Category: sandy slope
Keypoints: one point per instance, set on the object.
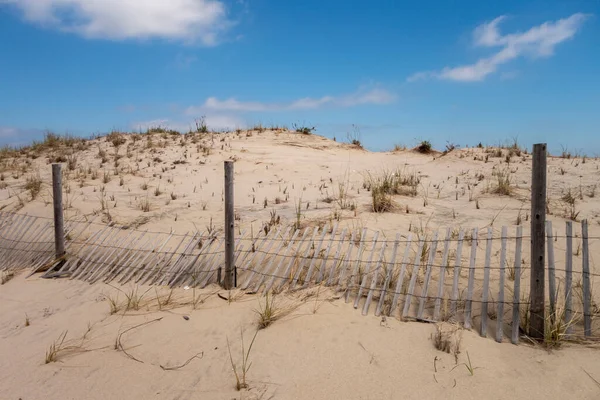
(324, 349)
(331, 353)
(292, 167)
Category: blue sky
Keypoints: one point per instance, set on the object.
(458, 71)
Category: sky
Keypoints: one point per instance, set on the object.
(389, 72)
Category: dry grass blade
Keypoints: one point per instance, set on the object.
(199, 355)
(119, 344)
(240, 371)
(556, 327)
(447, 338)
(55, 348)
(503, 185)
(272, 310)
(592, 378)
(60, 347)
(6, 276)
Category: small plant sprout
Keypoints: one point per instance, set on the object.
(241, 370)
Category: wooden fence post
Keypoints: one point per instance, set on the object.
(569, 278)
(538, 242)
(59, 224)
(587, 294)
(229, 279)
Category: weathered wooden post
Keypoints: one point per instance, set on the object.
(59, 225)
(538, 242)
(229, 280)
(587, 294)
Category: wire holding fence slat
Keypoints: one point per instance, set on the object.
(360, 266)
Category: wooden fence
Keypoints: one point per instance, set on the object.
(472, 277)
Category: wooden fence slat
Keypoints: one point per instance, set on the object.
(267, 269)
(136, 265)
(71, 252)
(72, 264)
(196, 275)
(147, 266)
(176, 273)
(262, 257)
(176, 258)
(103, 262)
(486, 282)
(5, 218)
(88, 263)
(443, 266)
(39, 252)
(188, 250)
(285, 276)
(107, 266)
(167, 261)
(187, 270)
(337, 261)
(429, 268)
(413, 279)
(456, 276)
(469, 301)
(569, 278)
(7, 228)
(85, 262)
(46, 255)
(253, 251)
(551, 270)
(374, 279)
(323, 265)
(311, 267)
(23, 242)
(516, 315)
(400, 280)
(304, 257)
(587, 294)
(500, 309)
(191, 274)
(105, 251)
(358, 260)
(125, 257)
(70, 243)
(362, 282)
(29, 238)
(133, 256)
(388, 277)
(214, 262)
(12, 232)
(346, 262)
(353, 276)
(282, 260)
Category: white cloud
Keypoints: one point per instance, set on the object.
(189, 20)
(6, 132)
(538, 41)
(372, 96)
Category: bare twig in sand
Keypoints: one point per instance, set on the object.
(199, 355)
(119, 344)
(591, 377)
(372, 360)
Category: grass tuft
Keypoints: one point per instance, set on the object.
(241, 370)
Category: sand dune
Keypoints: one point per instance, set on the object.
(321, 347)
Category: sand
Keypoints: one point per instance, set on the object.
(322, 348)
